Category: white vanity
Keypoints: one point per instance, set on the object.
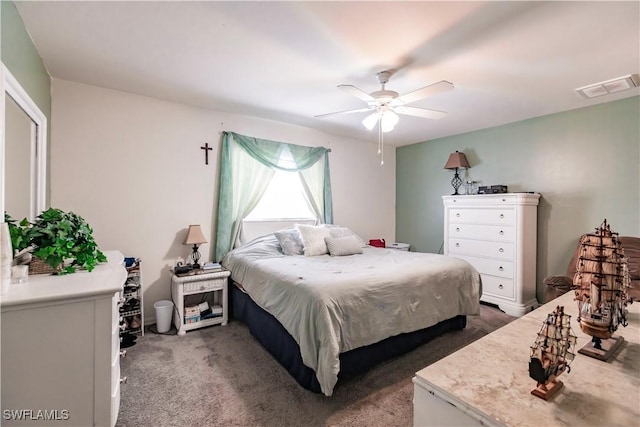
(60, 348)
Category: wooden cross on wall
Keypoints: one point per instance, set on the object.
(206, 149)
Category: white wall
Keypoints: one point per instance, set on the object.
(133, 168)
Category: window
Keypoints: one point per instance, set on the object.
(284, 197)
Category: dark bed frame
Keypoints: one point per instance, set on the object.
(277, 341)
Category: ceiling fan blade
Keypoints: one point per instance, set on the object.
(420, 112)
(433, 89)
(359, 110)
(358, 93)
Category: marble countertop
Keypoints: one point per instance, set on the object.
(491, 376)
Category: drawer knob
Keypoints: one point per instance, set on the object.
(500, 286)
(500, 268)
(457, 245)
(500, 250)
(123, 380)
(123, 353)
(457, 228)
(201, 287)
(501, 232)
(501, 216)
(458, 214)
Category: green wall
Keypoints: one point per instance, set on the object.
(584, 162)
(21, 58)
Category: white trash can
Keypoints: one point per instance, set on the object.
(164, 313)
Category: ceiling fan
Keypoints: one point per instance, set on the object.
(387, 104)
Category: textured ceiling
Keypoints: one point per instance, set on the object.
(508, 61)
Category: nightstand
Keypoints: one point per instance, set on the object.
(398, 246)
(191, 290)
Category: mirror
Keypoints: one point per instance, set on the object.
(25, 157)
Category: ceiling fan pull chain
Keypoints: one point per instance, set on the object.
(379, 137)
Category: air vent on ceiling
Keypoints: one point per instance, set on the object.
(610, 86)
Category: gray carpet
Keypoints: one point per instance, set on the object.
(221, 376)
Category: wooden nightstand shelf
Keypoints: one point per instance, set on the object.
(193, 289)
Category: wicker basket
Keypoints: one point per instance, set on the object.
(38, 266)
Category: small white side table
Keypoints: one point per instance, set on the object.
(398, 246)
(212, 286)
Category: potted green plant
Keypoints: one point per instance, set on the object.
(64, 241)
(19, 232)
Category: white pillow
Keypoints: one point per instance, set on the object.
(313, 239)
(290, 241)
(339, 246)
(346, 232)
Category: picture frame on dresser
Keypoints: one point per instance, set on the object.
(497, 234)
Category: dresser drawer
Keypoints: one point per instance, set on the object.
(208, 285)
(482, 232)
(502, 216)
(115, 376)
(493, 267)
(115, 405)
(498, 286)
(115, 348)
(501, 250)
(115, 309)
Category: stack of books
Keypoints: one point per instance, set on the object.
(211, 267)
(192, 314)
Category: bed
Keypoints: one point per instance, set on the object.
(326, 317)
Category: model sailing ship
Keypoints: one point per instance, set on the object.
(601, 284)
(551, 353)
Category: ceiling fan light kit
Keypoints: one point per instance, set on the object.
(387, 104)
(387, 119)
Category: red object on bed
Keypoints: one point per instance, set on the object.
(378, 243)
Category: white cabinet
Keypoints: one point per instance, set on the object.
(60, 348)
(496, 233)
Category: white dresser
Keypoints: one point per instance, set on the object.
(60, 348)
(496, 233)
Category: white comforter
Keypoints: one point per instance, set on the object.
(330, 305)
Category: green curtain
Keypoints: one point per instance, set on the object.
(246, 167)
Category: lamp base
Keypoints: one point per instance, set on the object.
(195, 256)
(456, 182)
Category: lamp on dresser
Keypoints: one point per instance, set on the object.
(195, 238)
(456, 160)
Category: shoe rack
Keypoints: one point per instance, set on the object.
(131, 309)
